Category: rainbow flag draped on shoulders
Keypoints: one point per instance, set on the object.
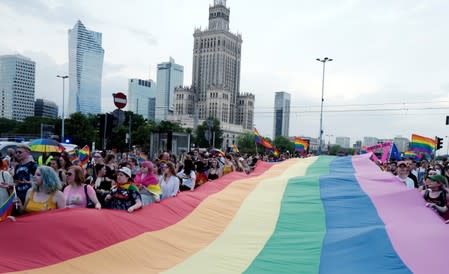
(422, 144)
(301, 145)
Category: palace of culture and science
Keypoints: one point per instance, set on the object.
(215, 90)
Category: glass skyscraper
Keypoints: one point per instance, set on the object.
(281, 114)
(169, 76)
(85, 70)
(17, 79)
(141, 97)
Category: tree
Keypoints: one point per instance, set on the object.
(284, 144)
(143, 134)
(79, 129)
(201, 130)
(8, 125)
(246, 143)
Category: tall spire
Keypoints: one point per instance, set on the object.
(219, 16)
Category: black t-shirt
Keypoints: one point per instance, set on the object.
(23, 172)
(122, 199)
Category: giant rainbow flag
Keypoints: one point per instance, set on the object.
(313, 215)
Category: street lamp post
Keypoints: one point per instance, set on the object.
(63, 77)
(322, 101)
(329, 142)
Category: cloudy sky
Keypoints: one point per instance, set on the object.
(389, 77)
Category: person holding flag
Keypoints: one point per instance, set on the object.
(6, 199)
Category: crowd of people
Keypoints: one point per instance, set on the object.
(108, 180)
(429, 177)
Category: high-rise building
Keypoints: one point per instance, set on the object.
(281, 114)
(370, 141)
(17, 81)
(85, 70)
(216, 59)
(45, 108)
(141, 97)
(215, 90)
(169, 76)
(402, 143)
(343, 141)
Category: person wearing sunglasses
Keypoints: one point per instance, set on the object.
(77, 194)
(23, 171)
(44, 194)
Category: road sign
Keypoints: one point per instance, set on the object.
(119, 99)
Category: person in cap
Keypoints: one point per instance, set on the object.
(435, 195)
(124, 195)
(403, 173)
(24, 171)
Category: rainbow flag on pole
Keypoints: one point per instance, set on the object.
(301, 144)
(83, 155)
(422, 144)
(262, 141)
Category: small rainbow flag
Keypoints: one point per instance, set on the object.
(276, 152)
(422, 144)
(83, 155)
(73, 156)
(301, 144)
(409, 154)
(6, 208)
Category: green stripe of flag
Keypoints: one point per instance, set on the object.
(295, 246)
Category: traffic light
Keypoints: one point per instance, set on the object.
(439, 142)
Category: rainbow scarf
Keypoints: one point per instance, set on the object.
(312, 215)
(128, 186)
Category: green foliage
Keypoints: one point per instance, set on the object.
(79, 128)
(246, 143)
(201, 140)
(284, 144)
(167, 126)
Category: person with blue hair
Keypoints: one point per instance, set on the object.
(45, 192)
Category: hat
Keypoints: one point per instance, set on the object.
(125, 171)
(401, 163)
(438, 178)
(24, 146)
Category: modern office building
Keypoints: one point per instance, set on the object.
(141, 97)
(169, 76)
(45, 108)
(85, 70)
(281, 122)
(369, 141)
(402, 143)
(343, 141)
(17, 82)
(215, 90)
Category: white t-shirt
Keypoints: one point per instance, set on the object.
(407, 181)
(170, 187)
